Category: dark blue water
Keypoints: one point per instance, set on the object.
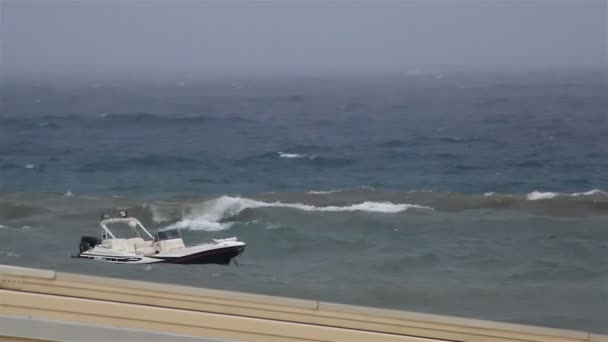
(461, 133)
(444, 193)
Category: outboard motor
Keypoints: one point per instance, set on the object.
(88, 242)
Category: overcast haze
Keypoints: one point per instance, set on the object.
(165, 37)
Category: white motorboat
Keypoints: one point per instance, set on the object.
(166, 246)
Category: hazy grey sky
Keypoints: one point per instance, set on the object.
(299, 36)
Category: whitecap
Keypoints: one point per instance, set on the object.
(30, 166)
(197, 223)
(323, 192)
(68, 194)
(379, 207)
(290, 155)
(537, 195)
(588, 193)
(164, 213)
(206, 215)
(296, 155)
(488, 194)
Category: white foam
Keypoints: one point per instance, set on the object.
(296, 156)
(30, 166)
(588, 193)
(200, 224)
(379, 207)
(488, 194)
(537, 195)
(3, 226)
(322, 192)
(206, 216)
(68, 194)
(162, 213)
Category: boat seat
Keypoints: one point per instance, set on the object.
(142, 247)
(132, 242)
(117, 244)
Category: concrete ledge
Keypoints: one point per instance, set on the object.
(454, 323)
(42, 329)
(26, 272)
(160, 308)
(598, 338)
(134, 286)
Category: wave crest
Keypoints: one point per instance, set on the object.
(208, 215)
(322, 192)
(537, 195)
(296, 155)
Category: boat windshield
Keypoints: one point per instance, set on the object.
(167, 234)
(121, 231)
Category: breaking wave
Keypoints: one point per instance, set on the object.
(588, 193)
(220, 213)
(322, 192)
(208, 215)
(537, 195)
(296, 155)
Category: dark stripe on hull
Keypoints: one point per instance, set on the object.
(221, 256)
(110, 258)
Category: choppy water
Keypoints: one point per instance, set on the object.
(473, 195)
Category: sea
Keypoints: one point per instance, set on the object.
(475, 194)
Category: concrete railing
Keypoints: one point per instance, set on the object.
(76, 300)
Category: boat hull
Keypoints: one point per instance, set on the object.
(119, 259)
(221, 256)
